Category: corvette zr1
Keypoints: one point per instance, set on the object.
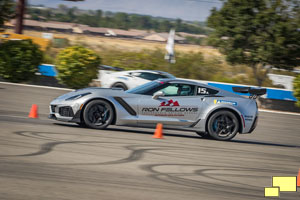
(178, 104)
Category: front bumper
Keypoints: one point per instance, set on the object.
(65, 113)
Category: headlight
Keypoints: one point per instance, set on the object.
(77, 96)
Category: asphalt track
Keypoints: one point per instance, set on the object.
(41, 159)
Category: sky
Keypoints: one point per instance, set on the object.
(192, 10)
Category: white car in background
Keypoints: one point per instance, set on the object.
(130, 79)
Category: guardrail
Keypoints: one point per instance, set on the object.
(47, 70)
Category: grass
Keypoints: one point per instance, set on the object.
(101, 43)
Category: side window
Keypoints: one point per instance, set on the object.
(206, 91)
(176, 89)
(137, 74)
(170, 90)
(163, 76)
(149, 76)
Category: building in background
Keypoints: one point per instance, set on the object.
(282, 80)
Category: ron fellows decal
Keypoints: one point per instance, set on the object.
(216, 101)
(169, 103)
(170, 108)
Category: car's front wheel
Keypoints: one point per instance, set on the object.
(98, 114)
(223, 125)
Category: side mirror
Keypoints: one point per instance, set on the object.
(158, 94)
(130, 74)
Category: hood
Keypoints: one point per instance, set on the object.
(97, 90)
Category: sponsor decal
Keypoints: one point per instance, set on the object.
(248, 117)
(169, 103)
(182, 109)
(169, 108)
(216, 101)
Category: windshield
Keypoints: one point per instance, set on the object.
(143, 89)
(151, 76)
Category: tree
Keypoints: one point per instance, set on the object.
(19, 60)
(6, 11)
(261, 34)
(165, 26)
(297, 89)
(121, 20)
(178, 25)
(77, 66)
(20, 16)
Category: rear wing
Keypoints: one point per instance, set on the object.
(254, 92)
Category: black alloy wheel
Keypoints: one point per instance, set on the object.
(98, 114)
(223, 125)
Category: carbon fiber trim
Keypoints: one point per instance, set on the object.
(253, 125)
(213, 96)
(53, 108)
(76, 117)
(194, 124)
(127, 107)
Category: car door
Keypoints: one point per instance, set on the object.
(178, 107)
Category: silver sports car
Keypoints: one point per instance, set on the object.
(177, 104)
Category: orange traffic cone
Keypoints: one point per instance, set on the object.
(158, 131)
(298, 179)
(34, 111)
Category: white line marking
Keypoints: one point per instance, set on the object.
(14, 116)
(278, 112)
(36, 86)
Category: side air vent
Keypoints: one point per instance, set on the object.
(125, 105)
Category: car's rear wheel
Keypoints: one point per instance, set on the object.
(98, 114)
(223, 125)
(120, 85)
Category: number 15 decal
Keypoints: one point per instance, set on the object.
(202, 90)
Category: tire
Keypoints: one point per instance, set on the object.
(203, 134)
(223, 125)
(120, 85)
(81, 124)
(98, 114)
